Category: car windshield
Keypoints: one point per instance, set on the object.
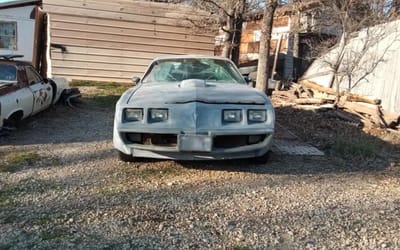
(8, 73)
(209, 69)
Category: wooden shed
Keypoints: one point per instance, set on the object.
(106, 40)
(113, 41)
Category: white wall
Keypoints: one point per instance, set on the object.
(25, 30)
(378, 67)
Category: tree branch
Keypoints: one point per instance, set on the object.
(218, 7)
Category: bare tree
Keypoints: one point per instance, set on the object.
(354, 21)
(395, 8)
(228, 16)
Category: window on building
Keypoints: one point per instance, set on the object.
(256, 35)
(253, 47)
(8, 35)
(219, 40)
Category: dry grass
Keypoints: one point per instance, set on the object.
(104, 94)
(14, 160)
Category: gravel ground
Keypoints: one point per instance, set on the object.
(76, 194)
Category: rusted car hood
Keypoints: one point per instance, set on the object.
(215, 93)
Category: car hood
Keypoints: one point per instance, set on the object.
(192, 91)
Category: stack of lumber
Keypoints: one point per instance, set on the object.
(345, 106)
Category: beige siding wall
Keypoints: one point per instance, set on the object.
(113, 41)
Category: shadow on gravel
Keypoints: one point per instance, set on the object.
(346, 146)
(90, 121)
(280, 164)
(60, 161)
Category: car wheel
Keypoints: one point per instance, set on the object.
(125, 158)
(13, 122)
(261, 159)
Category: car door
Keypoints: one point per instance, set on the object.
(42, 91)
(23, 96)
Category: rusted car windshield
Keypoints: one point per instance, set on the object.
(176, 70)
(8, 73)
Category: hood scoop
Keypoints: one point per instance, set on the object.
(193, 83)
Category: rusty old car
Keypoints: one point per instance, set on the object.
(193, 108)
(24, 92)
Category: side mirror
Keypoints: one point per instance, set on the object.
(249, 80)
(135, 80)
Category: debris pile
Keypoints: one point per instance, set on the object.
(346, 106)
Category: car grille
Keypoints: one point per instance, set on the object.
(233, 141)
(170, 140)
(166, 140)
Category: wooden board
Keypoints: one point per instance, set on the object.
(126, 80)
(139, 18)
(129, 31)
(132, 7)
(156, 49)
(154, 27)
(122, 67)
(58, 56)
(314, 86)
(128, 40)
(108, 53)
(111, 74)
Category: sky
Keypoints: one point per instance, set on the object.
(3, 1)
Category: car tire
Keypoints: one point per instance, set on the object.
(125, 158)
(13, 122)
(261, 159)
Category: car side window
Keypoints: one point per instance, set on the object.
(22, 79)
(32, 76)
(7, 73)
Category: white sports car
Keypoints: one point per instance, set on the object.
(193, 108)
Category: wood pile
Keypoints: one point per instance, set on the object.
(350, 107)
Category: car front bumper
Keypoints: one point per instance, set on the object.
(210, 152)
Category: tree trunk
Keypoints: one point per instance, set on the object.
(295, 34)
(296, 45)
(265, 41)
(236, 40)
(335, 82)
(228, 36)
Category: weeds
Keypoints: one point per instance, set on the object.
(14, 160)
(10, 192)
(9, 219)
(5, 247)
(106, 101)
(109, 91)
(241, 248)
(108, 88)
(23, 158)
(145, 173)
(54, 235)
(149, 173)
(356, 148)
